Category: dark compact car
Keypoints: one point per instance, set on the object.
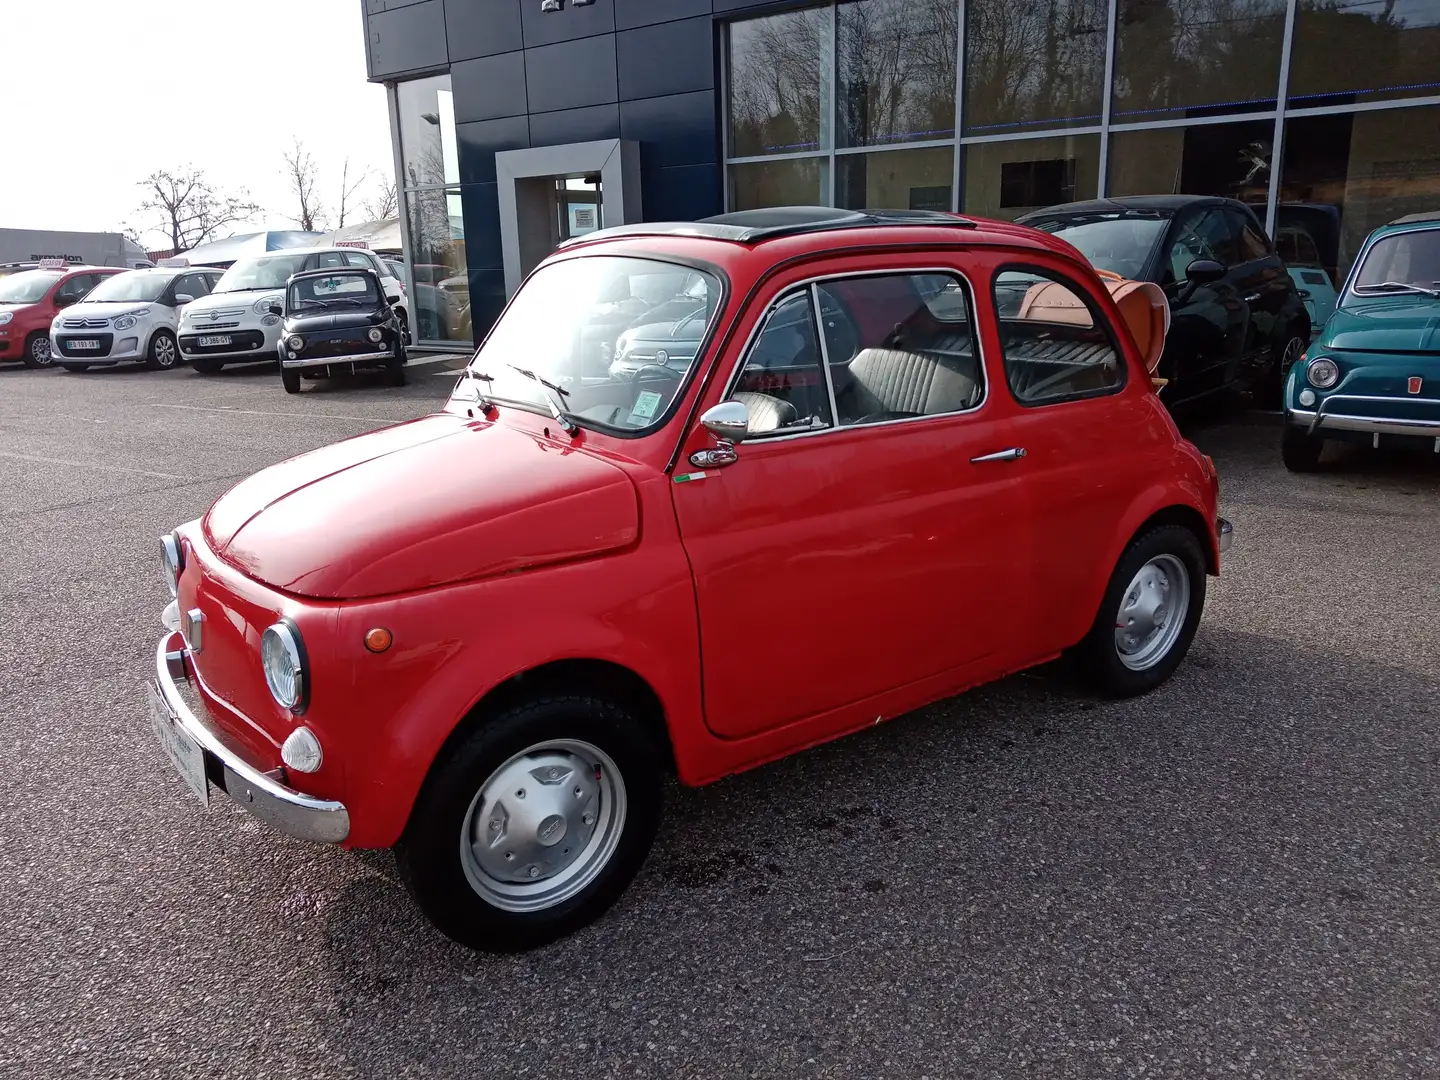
(1237, 320)
(339, 321)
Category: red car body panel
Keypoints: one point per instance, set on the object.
(35, 318)
(816, 587)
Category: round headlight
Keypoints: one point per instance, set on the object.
(295, 342)
(1323, 372)
(5, 317)
(125, 322)
(173, 561)
(270, 320)
(375, 335)
(282, 654)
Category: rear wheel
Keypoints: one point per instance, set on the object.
(1299, 450)
(164, 353)
(1149, 615)
(290, 378)
(207, 367)
(37, 351)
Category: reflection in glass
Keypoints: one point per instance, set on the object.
(792, 182)
(1344, 175)
(775, 83)
(426, 110)
(919, 179)
(1179, 58)
(1232, 160)
(1006, 179)
(1032, 63)
(438, 269)
(896, 70)
(1364, 50)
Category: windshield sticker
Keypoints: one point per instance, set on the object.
(333, 286)
(646, 402)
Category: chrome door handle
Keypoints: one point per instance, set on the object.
(1252, 298)
(1015, 453)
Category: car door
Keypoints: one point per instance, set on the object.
(73, 289)
(1208, 321)
(854, 547)
(1264, 286)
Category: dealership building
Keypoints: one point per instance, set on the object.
(519, 123)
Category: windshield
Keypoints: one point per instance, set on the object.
(266, 272)
(338, 289)
(618, 336)
(1120, 243)
(137, 286)
(1406, 262)
(26, 287)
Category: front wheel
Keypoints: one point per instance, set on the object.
(290, 379)
(1272, 383)
(163, 353)
(1300, 451)
(37, 351)
(533, 824)
(395, 371)
(1149, 615)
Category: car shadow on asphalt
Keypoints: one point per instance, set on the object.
(1021, 843)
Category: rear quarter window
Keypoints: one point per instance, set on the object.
(1055, 343)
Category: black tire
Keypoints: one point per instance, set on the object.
(163, 353)
(404, 327)
(290, 377)
(37, 351)
(207, 367)
(428, 855)
(76, 367)
(395, 370)
(1098, 656)
(1300, 451)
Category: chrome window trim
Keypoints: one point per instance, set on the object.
(812, 285)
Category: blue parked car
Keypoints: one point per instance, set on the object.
(1374, 372)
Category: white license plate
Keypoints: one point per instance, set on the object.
(183, 751)
(215, 339)
(83, 343)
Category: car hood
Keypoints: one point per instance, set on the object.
(232, 300)
(338, 320)
(104, 309)
(432, 501)
(1392, 324)
(15, 308)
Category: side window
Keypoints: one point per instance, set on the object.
(1054, 343)
(358, 260)
(327, 260)
(75, 287)
(900, 346)
(782, 383)
(212, 279)
(1250, 239)
(1205, 235)
(194, 285)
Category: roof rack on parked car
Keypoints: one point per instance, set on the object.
(756, 226)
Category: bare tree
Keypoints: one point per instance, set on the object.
(303, 176)
(184, 206)
(348, 189)
(385, 203)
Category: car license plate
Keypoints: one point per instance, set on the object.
(183, 751)
(214, 339)
(83, 343)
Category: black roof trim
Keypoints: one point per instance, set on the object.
(1410, 219)
(755, 226)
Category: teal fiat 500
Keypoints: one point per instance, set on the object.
(1373, 374)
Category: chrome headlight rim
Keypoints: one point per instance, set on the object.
(291, 647)
(295, 343)
(375, 334)
(172, 557)
(1322, 372)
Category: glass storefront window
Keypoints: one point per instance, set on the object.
(1364, 50)
(426, 109)
(1179, 58)
(920, 179)
(1232, 160)
(1006, 179)
(896, 64)
(1345, 174)
(1032, 65)
(441, 297)
(790, 182)
(776, 76)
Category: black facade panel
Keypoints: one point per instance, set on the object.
(575, 125)
(572, 74)
(567, 24)
(489, 88)
(482, 27)
(632, 13)
(677, 130)
(681, 194)
(480, 207)
(410, 38)
(479, 142)
(670, 58)
(487, 299)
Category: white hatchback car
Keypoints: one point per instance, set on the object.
(234, 323)
(132, 317)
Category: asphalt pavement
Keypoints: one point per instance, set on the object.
(1235, 876)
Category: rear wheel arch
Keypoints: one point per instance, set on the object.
(1187, 517)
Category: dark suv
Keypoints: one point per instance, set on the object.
(1237, 320)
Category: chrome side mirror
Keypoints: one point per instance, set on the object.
(729, 423)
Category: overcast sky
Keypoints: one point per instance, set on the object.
(98, 94)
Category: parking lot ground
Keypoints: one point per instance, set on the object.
(1235, 876)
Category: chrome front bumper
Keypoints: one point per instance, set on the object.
(348, 358)
(1224, 535)
(262, 794)
(1323, 418)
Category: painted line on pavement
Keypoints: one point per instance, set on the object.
(89, 465)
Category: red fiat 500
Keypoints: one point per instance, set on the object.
(483, 637)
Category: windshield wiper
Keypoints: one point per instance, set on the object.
(556, 403)
(1403, 286)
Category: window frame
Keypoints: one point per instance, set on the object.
(812, 285)
(1101, 321)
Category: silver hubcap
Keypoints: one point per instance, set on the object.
(164, 351)
(1152, 612)
(40, 350)
(543, 826)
